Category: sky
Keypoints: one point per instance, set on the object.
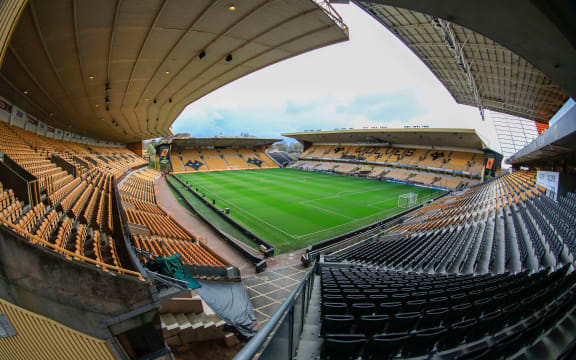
(371, 80)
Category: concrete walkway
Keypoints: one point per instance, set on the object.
(199, 228)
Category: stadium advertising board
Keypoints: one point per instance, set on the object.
(550, 180)
(5, 106)
(163, 152)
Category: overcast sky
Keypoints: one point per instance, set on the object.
(371, 80)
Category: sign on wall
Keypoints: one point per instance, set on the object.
(550, 180)
(5, 106)
(163, 152)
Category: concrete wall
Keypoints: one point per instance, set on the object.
(74, 294)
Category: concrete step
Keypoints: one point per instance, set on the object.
(183, 322)
(183, 327)
(169, 325)
(186, 303)
(189, 334)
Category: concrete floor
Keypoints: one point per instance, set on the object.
(311, 341)
(268, 290)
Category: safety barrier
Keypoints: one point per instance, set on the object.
(279, 338)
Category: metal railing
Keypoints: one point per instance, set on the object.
(333, 14)
(279, 338)
(34, 239)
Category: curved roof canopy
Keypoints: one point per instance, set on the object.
(124, 70)
(479, 71)
(459, 138)
(223, 141)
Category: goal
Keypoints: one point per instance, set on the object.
(407, 200)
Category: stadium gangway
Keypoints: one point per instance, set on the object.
(286, 323)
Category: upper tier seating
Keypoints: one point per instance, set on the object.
(33, 152)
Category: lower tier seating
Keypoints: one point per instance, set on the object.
(493, 228)
(198, 160)
(411, 176)
(385, 314)
(192, 252)
(167, 236)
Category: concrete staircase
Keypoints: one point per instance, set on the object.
(189, 319)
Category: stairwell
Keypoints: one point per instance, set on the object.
(182, 161)
(224, 159)
(202, 158)
(189, 319)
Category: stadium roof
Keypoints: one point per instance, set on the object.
(558, 140)
(460, 138)
(226, 141)
(513, 56)
(124, 70)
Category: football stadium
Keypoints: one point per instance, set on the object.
(121, 239)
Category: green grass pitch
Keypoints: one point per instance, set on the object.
(292, 208)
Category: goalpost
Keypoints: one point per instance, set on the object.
(407, 200)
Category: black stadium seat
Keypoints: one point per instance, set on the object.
(385, 346)
(483, 315)
(336, 324)
(423, 341)
(343, 346)
(334, 308)
(372, 324)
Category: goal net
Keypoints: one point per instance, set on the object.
(407, 200)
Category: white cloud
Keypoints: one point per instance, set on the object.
(373, 63)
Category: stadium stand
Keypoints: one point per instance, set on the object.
(383, 314)
(71, 204)
(426, 164)
(219, 154)
(191, 161)
(166, 237)
(488, 271)
(283, 158)
(214, 160)
(266, 161)
(71, 286)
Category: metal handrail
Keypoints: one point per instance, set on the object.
(254, 346)
(333, 14)
(69, 254)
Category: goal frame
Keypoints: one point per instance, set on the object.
(407, 200)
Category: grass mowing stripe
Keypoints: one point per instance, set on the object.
(210, 215)
(293, 208)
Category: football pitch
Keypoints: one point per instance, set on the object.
(291, 208)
